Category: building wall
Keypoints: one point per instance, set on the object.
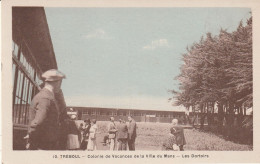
(103, 114)
(32, 54)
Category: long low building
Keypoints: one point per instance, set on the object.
(103, 114)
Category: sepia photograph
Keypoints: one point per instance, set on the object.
(95, 81)
(132, 79)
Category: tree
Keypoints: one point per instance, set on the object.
(218, 70)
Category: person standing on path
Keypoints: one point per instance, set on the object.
(131, 133)
(84, 143)
(73, 134)
(92, 144)
(112, 133)
(122, 135)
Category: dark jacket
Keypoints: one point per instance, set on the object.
(179, 134)
(43, 118)
(72, 127)
(59, 97)
(132, 129)
(63, 118)
(122, 132)
(86, 132)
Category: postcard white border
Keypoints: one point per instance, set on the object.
(43, 157)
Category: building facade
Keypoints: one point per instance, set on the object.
(32, 54)
(103, 114)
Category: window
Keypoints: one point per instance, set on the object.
(15, 49)
(24, 87)
(23, 96)
(103, 113)
(110, 113)
(13, 72)
(97, 112)
(122, 113)
(85, 112)
(93, 112)
(38, 80)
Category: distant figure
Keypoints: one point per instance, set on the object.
(106, 140)
(131, 133)
(92, 144)
(84, 142)
(81, 130)
(112, 133)
(179, 134)
(73, 132)
(122, 135)
(169, 144)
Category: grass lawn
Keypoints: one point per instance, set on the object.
(151, 135)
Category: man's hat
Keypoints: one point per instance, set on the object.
(73, 116)
(53, 75)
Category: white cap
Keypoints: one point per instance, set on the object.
(53, 75)
(175, 121)
(73, 116)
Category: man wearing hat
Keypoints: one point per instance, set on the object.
(122, 135)
(46, 112)
(112, 133)
(131, 133)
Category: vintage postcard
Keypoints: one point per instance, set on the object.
(130, 81)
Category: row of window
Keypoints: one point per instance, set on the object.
(26, 62)
(24, 86)
(125, 113)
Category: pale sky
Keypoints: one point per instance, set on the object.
(128, 57)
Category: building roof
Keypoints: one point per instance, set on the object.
(30, 26)
(177, 109)
(127, 102)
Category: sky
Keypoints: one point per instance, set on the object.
(129, 57)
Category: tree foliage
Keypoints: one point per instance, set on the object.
(218, 70)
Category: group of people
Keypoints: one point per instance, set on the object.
(50, 128)
(121, 135)
(81, 137)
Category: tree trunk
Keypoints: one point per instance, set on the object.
(187, 118)
(202, 119)
(220, 118)
(195, 117)
(210, 115)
